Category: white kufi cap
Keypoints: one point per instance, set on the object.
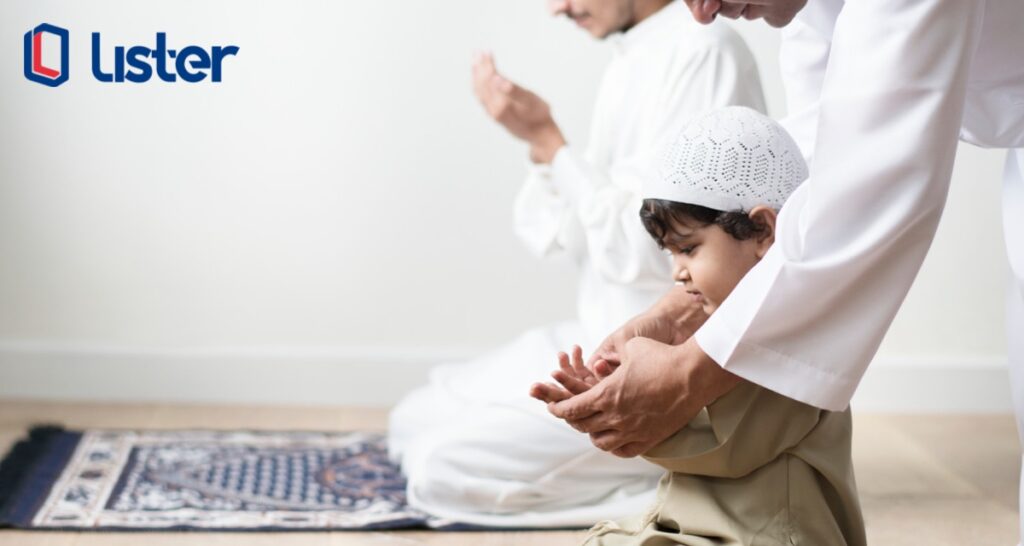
(729, 159)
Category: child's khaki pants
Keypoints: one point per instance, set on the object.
(754, 468)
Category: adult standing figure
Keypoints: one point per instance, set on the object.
(474, 446)
(879, 92)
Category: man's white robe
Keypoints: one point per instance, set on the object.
(475, 447)
(879, 92)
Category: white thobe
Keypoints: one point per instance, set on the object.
(473, 444)
(896, 79)
(879, 92)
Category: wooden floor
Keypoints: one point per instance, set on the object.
(924, 480)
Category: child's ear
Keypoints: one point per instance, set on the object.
(765, 217)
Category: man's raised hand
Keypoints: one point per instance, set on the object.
(519, 110)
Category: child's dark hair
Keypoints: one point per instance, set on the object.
(657, 216)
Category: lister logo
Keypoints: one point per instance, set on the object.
(48, 73)
(191, 63)
(135, 64)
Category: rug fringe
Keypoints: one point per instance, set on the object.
(16, 466)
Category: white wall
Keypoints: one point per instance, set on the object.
(338, 206)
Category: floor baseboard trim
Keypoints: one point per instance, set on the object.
(979, 384)
(362, 376)
(378, 377)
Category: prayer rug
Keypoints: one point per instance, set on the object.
(204, 480)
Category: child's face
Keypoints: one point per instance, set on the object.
(710, 263)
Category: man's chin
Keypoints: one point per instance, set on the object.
(598, 33)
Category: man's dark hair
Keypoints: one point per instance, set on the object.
(657, 216)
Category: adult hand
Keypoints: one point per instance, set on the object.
(777, 13)
(656, 390)
(672, 320)
(519, 110)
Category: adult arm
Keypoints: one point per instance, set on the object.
(806, 321)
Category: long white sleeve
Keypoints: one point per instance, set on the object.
(807, 320)
(588, 204)
(803, 58)
(545, 219)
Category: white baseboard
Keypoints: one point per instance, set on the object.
(378, 377)
(370, 376)
(978, 384)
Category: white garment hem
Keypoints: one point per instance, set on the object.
(796, 379)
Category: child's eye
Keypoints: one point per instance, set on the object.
(687, 250)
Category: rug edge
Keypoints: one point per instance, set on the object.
(29, 470)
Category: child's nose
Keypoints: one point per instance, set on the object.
(679, 272)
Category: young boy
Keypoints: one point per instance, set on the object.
(754, 467)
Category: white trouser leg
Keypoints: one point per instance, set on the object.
(477, 449)
(503, 375)
(1013, 228)
(509, 466)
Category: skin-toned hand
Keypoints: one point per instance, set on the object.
(519, 110)
(672, 320)
(777, 13)
(655, 391)
(574, 377)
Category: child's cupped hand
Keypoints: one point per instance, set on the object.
(573, 377)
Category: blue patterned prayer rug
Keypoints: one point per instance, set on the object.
(204, 480)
